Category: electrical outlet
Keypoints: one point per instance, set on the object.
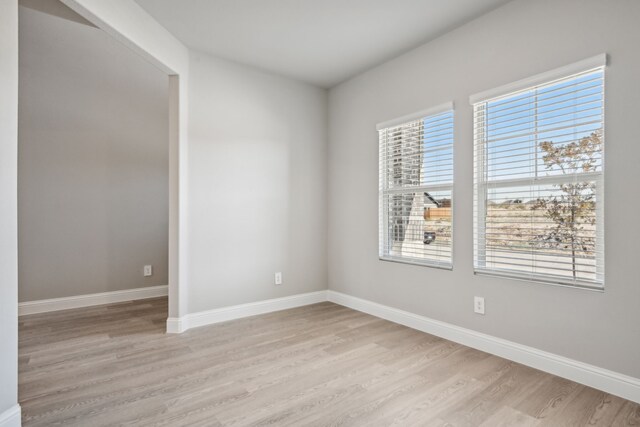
(148, 270)
(278, 278)
(478, 305)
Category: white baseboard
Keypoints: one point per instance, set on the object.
(209, 317)
(603, 379)
(583, 373)
(175, 325)
(55, 304)
(12, 417)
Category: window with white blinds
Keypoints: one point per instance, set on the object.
(538, 188)
(416, 182)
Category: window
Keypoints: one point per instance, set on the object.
(416, 182)
(538, 188)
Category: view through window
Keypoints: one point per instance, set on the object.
(539, 182)
(416, 182)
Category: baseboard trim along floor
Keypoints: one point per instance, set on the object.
(78, 301)
(11, 417)
(177, 325)
(602, 379)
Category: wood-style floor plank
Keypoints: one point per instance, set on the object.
(320, 365)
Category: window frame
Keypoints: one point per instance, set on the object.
(383, 214)
(481, 184)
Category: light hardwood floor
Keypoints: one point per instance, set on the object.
(317, 365)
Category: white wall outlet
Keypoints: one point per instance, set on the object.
(148, 270)
(478, 305)
(278, 278)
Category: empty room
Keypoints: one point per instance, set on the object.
(319, 213)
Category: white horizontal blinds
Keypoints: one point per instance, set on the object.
(539, 182)
(416, 181)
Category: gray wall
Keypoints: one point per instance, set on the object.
(93, 162)
(257, 185)
(518, 40)
(8, 207)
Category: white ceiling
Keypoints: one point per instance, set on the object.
(323, 42)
